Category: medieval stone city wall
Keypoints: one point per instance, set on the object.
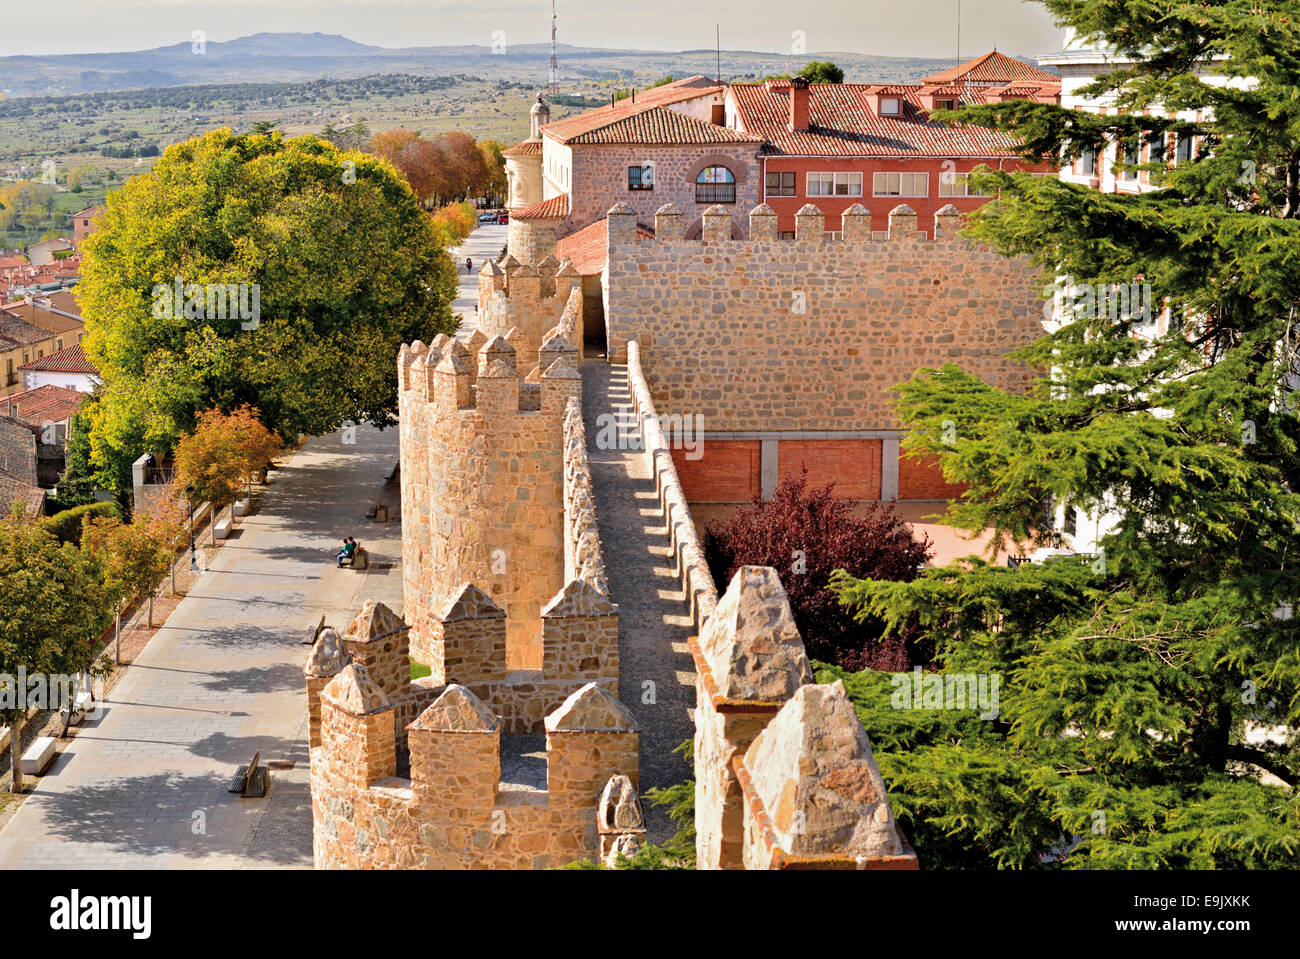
(482, 470)
(522, 301)
(690, 566)
(452, 811)
(811, 334)
(784, 774)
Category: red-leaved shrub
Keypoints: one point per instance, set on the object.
(805, 535)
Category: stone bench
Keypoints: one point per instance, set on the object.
(221, 529)
(242, 507)
(39, 755)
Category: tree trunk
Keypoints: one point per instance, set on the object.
(16, 753)
(151, 610)
(67, 722)
(117, 635)
(173, 580)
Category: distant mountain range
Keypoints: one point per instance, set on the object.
(268, 57)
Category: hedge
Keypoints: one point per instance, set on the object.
(67, 525)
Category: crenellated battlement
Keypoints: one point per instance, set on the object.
(451, 808)
(529, 299)
(810, 228)
(451, 378)
(408, 774)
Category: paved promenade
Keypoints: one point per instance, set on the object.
(484, 244)
(143, 786)
(654, 618)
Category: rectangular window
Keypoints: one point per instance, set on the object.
(58, 344)
(1128, 153)
(782, 184)
(785, 235)
(835, 184)
(957, 184)
(640, 178)
(10, 379)
(1155, 148)
(1086, 164)
(900, 184)
(1071, 522)
(833, 235)
(890, 106)
(1183, 148)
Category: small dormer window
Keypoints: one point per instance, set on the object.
(890, 106)
(945, 104)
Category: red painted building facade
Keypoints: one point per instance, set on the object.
(835, 145)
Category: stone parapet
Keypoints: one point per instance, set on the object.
(688, 556)
(784, 776)
(452, 812)
(529, 298)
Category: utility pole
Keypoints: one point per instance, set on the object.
(718, 36)
(554, 85)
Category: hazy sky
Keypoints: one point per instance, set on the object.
(911, 28)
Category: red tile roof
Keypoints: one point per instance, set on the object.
(992, 67)
(659, 125)
(527, 148)
(69, 360)
(45, 404)
(556, 208)
(590, 121)
(588, 247)
(842, 122)
(15, 331)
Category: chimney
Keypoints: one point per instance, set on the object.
(798, 105)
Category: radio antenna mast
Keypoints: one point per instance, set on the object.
(554, 77)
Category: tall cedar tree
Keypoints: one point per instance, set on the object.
(805, 535)
(1127, 686)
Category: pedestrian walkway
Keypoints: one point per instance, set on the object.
(143, 785)
(484, 244)
(654, 619)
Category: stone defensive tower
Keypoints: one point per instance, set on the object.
(523, 302)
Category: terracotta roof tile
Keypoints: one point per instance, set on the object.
(11, 490)
(587, 247)
(15, 331)
(556, 208)
(44, 404)
(72, 359)
(992, 67)
(527, 148)
(843, 122)
(659, 125)
(591, 120)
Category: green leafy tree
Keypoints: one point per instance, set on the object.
(1134, 686)
(344, 264)
(55, 607)
(823, 71)
(817, 71)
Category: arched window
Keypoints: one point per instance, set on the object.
(715, 184)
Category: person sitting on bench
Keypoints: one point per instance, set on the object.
(348, 551)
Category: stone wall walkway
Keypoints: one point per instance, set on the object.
(654, 619)
(143, 785)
